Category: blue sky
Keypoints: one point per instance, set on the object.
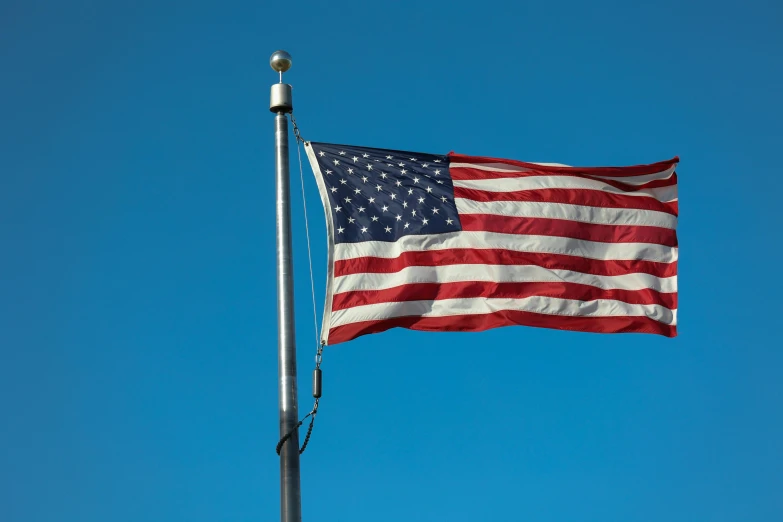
(137, 307)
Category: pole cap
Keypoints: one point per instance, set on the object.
(280, 99)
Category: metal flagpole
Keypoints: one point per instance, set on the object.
(290, 496)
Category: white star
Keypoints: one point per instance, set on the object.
(413, 159)
(365, 155)
(388, 157)
(355, 159)
(350, 171)
(378, 188)
(449, 221)
(415, 179)
(403, 171)
(364, 229)
(440, 182)
(374, 218)
(369, 166)
(338, 209)
(351, 220)
(394, 196)
(387, 229)
(429, 190)
(340, 230)
(404, 204)
(343, 181)
(333, 189)
(425, 164)
(399, 217)
(410, 191)
(336, 162)
(407, 225)
(402, 164)
(398, 183)
(437, 161)
(372, 200)
(322, 154)
(424, 221)
(437, 172)
(384, 175)
(347, 200)
(421, 200)
(328, 172)
(435, 210)
(443, 199)
(389, 165)
(364, 179)
(385, 208)
(413, 213)
(342, 153)
(361, 209)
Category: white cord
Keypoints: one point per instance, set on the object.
(309, 255)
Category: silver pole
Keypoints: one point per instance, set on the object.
(290, 496)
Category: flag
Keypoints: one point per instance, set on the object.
(466, 243)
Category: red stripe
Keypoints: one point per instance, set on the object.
(565, 228)
(488, 289)
(480, 322)
(590, 198)
(636, 170)
(465, 173)
(460, 256)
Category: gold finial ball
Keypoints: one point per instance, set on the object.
(280, 61)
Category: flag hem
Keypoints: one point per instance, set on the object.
(325, 323)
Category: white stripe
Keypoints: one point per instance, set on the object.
(489, 167)
(500, 274)
(538, 304)
(515, 242)
(580, 213)
(549, 164)
(645, 178)
(502, 167)
(664, 194)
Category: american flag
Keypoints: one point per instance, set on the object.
(466, 243)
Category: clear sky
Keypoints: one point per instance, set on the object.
(138, 370)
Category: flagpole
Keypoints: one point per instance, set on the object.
(290, 495)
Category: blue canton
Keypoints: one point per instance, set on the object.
(383, 195)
